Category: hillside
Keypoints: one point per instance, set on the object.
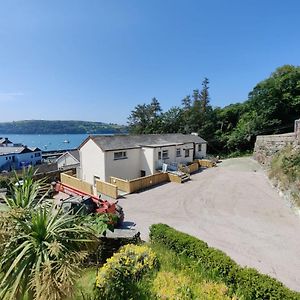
(58, 127)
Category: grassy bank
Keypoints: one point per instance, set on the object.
(285, 172)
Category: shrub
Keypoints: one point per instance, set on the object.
(115, 280)
(168, 285)
(248, 283)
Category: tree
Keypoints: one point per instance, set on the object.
(41, 249)
(186, 102)
(145, 118)
(172, 121)
(204, 95)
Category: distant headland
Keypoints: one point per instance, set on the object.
(59, 127)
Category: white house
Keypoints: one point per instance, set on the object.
(69, 159)
(13, 158)
(133, 156)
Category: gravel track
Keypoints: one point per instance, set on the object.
(233, 208)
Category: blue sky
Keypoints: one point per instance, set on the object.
(96, 60)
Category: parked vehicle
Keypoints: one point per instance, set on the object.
(86, 203)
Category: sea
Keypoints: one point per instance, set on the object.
(48, 142)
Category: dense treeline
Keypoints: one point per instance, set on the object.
(57, 127)
(271, 107)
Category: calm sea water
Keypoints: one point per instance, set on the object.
(47, 141)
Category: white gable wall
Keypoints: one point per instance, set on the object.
(66, 160)
(91, 162)
(127, 168)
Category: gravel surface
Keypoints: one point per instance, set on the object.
(233, 208)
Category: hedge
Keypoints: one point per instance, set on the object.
(245, 282)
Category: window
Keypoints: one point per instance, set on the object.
(178, 152)
(199, 147)
(159, 155)
(120, 155)
(186, 152)
(165, 154)
(37, 154)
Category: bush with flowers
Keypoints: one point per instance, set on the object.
(117, 277)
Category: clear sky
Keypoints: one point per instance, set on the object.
(96, 60)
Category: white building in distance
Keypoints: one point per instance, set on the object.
(133, 156)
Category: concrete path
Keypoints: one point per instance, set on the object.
(233, 208)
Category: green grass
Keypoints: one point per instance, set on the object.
(84, 287)
(285, 169)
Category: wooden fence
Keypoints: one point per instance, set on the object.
(76, 183)
(206, 163)
(147, 181)
(174, 178)
(107, 189)
(194, 167)
(134, 185)
(122, 184)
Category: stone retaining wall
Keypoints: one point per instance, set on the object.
(266, 146)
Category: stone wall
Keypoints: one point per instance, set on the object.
(266, 146)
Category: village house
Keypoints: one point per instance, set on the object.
(69, 159)
(16, 157)
(133, 156)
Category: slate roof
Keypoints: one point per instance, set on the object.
(75, 154)
(4, 141)
(13, 150)
(116, 142)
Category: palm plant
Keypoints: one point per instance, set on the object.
(40, 249)
(25, 193)
(43, 258)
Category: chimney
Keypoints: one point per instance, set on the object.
(194, 133)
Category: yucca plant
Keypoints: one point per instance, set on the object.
(42, 260)
(41, 249)
(24, 191)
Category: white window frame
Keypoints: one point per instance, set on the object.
(120, 155)
(159, 155)
(165, 154)
(178, 152)
(187, 153)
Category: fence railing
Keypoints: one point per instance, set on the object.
(107, 189)
(76, 183)
(194, 167)
(134, 185)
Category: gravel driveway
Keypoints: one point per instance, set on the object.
(233, 208)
